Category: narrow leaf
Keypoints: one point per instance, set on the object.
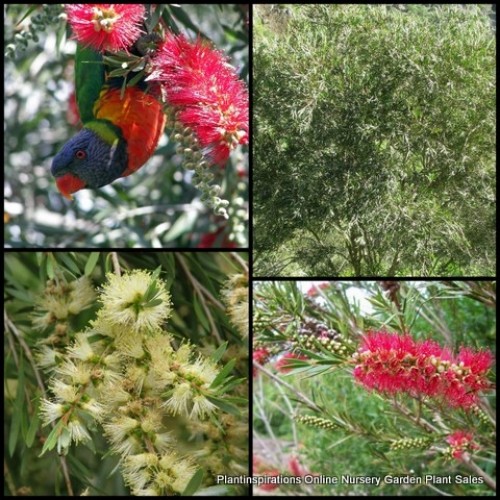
(223, 373)
(219, 352)
(194, 484)
(91, 263)
(52, 438)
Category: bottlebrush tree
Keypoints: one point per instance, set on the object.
(125, 366)
(388, 386)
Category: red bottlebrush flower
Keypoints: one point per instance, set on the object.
(260, 355)
(283, 365)
(313, 291)
(106, 26)
(295, 468)
(270, 486)
(392, 363)
(72, 113)
(216, 239)
(206, 92)
(461, 442)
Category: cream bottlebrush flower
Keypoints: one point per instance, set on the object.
(235, 294)
(82, 295)
(47, 357)
(50, 411)
(201, 407)
(163, 441)
(175, 472)
(178, 402)
(77, 372)
(203, 369)
(139, 461)
(129, 343)
(152, 420)
(62, 299)
(56, 305)
(119, 428)
(183, 471)
(183, 354)
(64, 392)
(81, 348)
(77, 431)
(96, 409)
(126, 303)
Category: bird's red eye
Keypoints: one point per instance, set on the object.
(80, 154)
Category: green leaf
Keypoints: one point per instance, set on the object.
(68, 262)
(91, 263)
(225, 406)
(231, 383)
(18, 409)
(152, 289)
(52, 438)
(34, 426)
(223, 373)
(193, 484)
(153, 303)
(50, 266)
(219, 352)
(200, 313)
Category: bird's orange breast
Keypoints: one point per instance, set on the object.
(140, 117)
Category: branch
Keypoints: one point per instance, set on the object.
(116, 264)
(299, 395)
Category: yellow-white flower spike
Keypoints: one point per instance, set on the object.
(81, 348)
(78, 431)
(81, 296)
(50, 411)
(201, 407)
(235, 295)
(126, 302)
(178, 402)
(64, 393)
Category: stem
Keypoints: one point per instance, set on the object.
(301, 396)
(240, 261)
(480, 472)
(417, 421)
(199, 289)
(116, 264)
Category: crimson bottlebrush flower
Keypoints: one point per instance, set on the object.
(270, 473)
(296, 468)
(461, 442)
(283, 365)
(314, 292)
(106, 26)
(260, 355)
(206, 93)
(391, 363)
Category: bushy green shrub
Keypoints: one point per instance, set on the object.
(374, 140)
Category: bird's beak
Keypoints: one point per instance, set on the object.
(68, 184)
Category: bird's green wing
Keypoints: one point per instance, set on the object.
(89, 79)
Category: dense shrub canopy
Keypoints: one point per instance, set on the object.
(374, 137)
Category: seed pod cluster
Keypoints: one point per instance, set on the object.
(321, 423)
(481, 416)
(312, 334)
(409, 443)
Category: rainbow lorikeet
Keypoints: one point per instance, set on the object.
(121, 128)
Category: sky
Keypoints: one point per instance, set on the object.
(354, 294)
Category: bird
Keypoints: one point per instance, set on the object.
(122, 125)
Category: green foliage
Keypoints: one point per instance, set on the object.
(156, 207)
(41, 459)
(374, 138)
